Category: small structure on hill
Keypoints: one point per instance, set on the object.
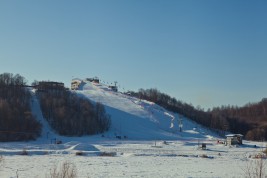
(75, 84)
(234, 139)
(95, 79)
(113, 88)
(50, 86)
(203, 146)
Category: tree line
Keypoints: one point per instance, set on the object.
(16, 119)
(249, 120)
(66, 112)
(71, 115)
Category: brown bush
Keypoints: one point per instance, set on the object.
(255, 168)
(1, 160)
(109, 154)
(66, 170)
(204, 156)
(79, 153)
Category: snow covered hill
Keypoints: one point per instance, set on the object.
(139, 119)
(153, 145)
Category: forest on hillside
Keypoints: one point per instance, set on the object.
(249, 120)
(17, 122)
(65, 111)
(71, 115)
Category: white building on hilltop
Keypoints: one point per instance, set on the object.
(75, 83)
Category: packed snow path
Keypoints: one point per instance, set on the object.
(140, 119)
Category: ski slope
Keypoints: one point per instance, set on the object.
(153, 146)
(140, 119)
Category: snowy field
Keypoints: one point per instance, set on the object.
(129, 159)
(150, 145)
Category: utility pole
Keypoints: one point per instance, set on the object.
(180, 123)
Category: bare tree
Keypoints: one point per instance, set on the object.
(1, 161)
(256, 168)
(17, 122)
(249, 120)
(71, 115)
(66, 170)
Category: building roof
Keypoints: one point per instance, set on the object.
(234, 135)
(76, 79)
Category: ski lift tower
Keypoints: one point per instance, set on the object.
(180, 123)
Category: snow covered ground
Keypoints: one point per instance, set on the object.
(140, 119)
(151, 145)
(130, 159)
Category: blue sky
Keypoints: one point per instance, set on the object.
(205, 52)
